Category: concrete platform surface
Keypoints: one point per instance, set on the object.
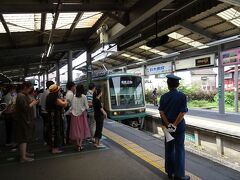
(110, 164)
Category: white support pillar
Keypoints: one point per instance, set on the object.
(197, 139)
(219, 145)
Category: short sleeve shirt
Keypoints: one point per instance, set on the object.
(90, 100)
(69, 98)
(172, 103)
(97, 105)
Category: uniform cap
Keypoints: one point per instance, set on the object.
(172, 76)
(54, 88)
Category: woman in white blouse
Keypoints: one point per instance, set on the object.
(79, 128)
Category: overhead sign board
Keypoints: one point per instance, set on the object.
(200, 61)
(230, 57)
(159, 68)
(137, 71)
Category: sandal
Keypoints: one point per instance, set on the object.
(26, 160)
(80, 148)
(56, 151)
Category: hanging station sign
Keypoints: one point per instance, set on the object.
(137, 71)
(159, 68)
(200, 61)
(230, 57)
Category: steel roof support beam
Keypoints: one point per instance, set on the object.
(43, 23)
(78, 45)
(181, 14)
(48, 8)
(198, 30)
(143, 17)
(56, 15)
(135, 53)
(97, 25)
(7, 30)
(122, 20)
(72, 28)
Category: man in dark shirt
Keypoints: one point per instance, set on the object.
(172, 108)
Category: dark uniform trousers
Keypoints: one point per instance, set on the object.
(175, 155)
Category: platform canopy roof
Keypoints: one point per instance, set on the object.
(29, 28)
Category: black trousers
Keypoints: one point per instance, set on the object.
(99, 126)
(9, 128)
(46, 125)
(55, 139)
(68, 127)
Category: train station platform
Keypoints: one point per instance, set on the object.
(228, 123)
(129, 154)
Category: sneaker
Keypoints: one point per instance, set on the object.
(99, 146)
(26, 160)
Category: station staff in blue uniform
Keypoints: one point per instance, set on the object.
(172, 108)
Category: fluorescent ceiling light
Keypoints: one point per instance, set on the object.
(231, 15)
(132, 57)
(155, 51)
(144, 47)
(22, 22)
(125, 55)
(187, 40)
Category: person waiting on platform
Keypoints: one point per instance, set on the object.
(79, 129)
(71, 88)
(24, 120)
(8, 115)
(44, 113)
(154, 97)
(91, 120)
(99, 115)
(173, 106)
(54, 107)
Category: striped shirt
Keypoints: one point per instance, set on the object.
(90, 101)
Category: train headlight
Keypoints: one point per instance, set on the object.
(115, 113)
(142, 110)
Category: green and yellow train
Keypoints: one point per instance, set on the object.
(123, 97)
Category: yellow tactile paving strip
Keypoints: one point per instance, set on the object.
(140, 152)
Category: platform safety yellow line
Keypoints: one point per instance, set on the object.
(153, 159)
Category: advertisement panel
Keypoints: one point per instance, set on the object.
(159, 68)
(200, 61)
(230, 57)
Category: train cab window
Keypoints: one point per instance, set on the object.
(126, 92)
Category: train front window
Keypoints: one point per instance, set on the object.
(126, 92)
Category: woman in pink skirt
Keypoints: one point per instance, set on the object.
(79, 128)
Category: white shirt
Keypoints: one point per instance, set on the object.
(79, 105)
(69, 98)
(43, 99)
